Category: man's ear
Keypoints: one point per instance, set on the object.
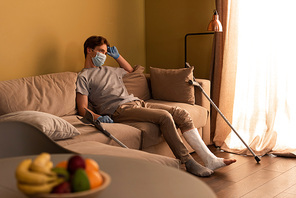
(89, 50)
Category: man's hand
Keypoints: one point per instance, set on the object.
(113, 52)
(105, 119)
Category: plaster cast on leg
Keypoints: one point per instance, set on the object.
(194, 140)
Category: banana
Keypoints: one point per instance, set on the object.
(24, 175)
(49, 165)
(37, 189)
(42, 164)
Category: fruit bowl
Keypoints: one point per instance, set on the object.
(83, 194)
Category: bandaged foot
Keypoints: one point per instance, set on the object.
(211, 161)
(196, 169)
(215, 163)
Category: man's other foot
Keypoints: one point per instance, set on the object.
(196, 169)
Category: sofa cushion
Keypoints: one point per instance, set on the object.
(136, 83)
(172, 84)
(97, 148)
(53, 126)
(51, 93)
(128, 135)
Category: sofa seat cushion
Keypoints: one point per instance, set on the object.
(128, 135)
(97, 148)
(151, 134)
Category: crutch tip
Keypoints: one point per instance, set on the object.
(257, 159)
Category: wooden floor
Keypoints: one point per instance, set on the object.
(273, 177)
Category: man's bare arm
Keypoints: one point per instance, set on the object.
(82, 104)
(124, 64)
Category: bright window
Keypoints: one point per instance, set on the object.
(265, 93)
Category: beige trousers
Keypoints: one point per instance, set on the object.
(167, 117)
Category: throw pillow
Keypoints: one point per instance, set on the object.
(172, 84)
(136, 83)
(54, 127)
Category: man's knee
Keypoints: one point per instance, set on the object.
(183, 119)
(181, 111)
(165, 116)
(181, 115)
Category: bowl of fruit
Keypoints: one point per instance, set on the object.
(74, 177)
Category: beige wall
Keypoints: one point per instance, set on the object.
(45, 36)
(167, 23)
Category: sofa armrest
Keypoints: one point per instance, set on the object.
(201, 100)
(19, 138)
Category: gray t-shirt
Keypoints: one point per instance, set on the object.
(104, 87)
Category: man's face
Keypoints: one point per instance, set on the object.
(102, 49)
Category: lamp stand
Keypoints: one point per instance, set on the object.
(192, 34)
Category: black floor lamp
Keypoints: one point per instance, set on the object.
(193, 34)
(214, 26)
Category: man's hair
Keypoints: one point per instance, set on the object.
(93, 42)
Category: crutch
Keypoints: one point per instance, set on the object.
(196, 84)
(89, 119)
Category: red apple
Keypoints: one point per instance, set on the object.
(74, 163)
(64, 187)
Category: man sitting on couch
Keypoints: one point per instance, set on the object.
(103, 87)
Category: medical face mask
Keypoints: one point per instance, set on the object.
(99, 59)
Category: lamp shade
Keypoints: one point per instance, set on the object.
(215, 25)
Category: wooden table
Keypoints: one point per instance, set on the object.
(130, 178)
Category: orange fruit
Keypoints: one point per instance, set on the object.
(95, 178)
(91, 164)
(62, 164)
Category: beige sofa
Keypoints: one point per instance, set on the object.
(54, 94)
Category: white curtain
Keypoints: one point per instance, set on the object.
(264, 110)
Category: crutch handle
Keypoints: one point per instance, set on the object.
(194, 83)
